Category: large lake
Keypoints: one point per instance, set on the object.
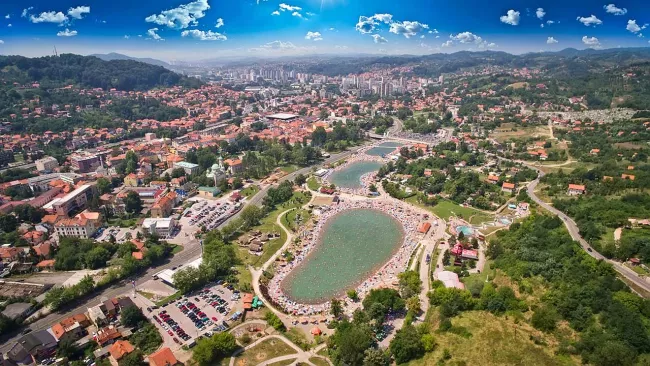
(352, 246)
(383, 148)
(350, 176)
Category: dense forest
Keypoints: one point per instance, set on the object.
(89, 71)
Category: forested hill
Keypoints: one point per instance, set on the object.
(89, 71)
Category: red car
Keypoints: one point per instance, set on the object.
(176, 340)
(170, 332)
(214, 318)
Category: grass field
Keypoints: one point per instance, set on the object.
(268, 225)
(289, 168)
(444, 209)
(312, 184)
(283, 363)
(509, 131)
(266, 350)
(318, 361)
(293, 219)
(177, 249)
(480, 338)
(250, 191)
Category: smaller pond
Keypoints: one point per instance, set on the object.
(466, 230)
(505, 221)
(383, 148)
(350, 176)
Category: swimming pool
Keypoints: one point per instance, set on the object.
(466, 230)
(505, 221)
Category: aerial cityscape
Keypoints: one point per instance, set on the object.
(324, 183)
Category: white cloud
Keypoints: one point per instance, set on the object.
(433, 31)
(182, 16)
(367, 25)
(633, 27)
(79, 11)
(9, 25)
(314, 36)
(67, 33)
(379, 39)
(551, 40)
(550, 22)
(612, 9)
(49, 17)
(26, 12)
(126, 36)
(589, 21)
(310, 14)
(591, 42)
(341, 47)
(511, 17)
(219, 23)
(204, 35)
(7, 16)
(407, 28)
(275, 13)
(332, 29)
(2, 42)
(286, 7)
(296, 14)
(541, 25)
(540, 13)
(466, 37)
(152, 33)
(449, 43)
(275, 45)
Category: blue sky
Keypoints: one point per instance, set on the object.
(193, 30)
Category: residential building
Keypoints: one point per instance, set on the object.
(75, 200)
(46, 164)
(85, 163)
(163, 206)
(33, 346)
(235, 166)
(120, 349)
(163, 357)
(162, 227)
(189, 168)
(508, 187)
(83, 226)
(575, 189)
(131, 180)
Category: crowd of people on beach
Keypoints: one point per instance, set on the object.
(386, 276)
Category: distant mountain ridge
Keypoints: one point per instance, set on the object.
(118, 56)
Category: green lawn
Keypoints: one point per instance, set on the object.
(444, 209)
(116, 221)
(177, 249)
(293, 219)
(266, 350)
(267, 225)
(313, 184)
(177, 295)
(250, 191)
(289, 168)
(318, 361)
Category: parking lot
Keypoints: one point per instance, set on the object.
(208, 214)
(202, 313)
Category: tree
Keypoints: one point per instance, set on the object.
(300, 179)
(133, 202)
(97, 257)
(349, 342)
(409, 283)
(375, 357)
(132, 316)
(251, 216)
(353, 295)
(8, 223)
(336, 309)
(413, 304)
(407, 345)
(274, 321)
(134, 358)
(187, 279)
(103, 185)
(210, 351)
(545, 318)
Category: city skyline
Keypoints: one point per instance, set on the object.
(201, 29)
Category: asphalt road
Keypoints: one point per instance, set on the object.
(574, 231)
(191, 252)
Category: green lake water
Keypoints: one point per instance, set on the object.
(350, 177)
(383, 148)
(353, 243)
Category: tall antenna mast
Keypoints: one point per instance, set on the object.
(56, 54)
